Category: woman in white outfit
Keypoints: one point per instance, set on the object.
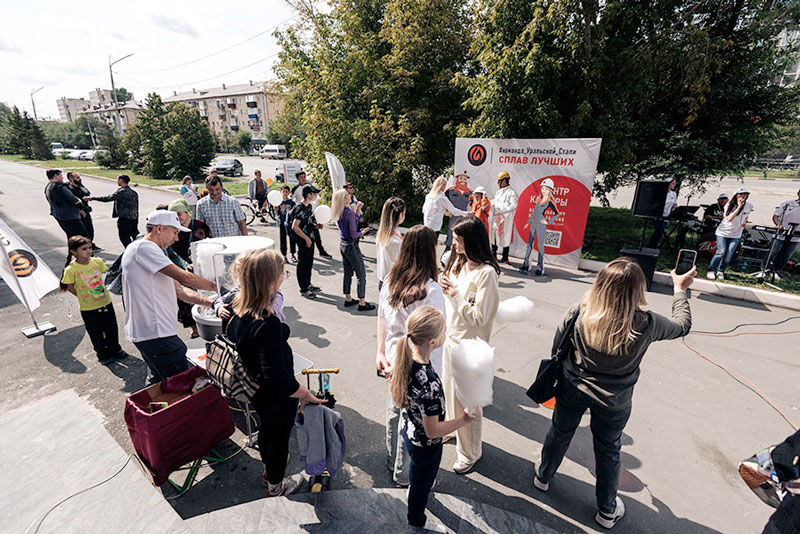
(435, 205)
(389, 239)
(504, 206)
(411, 283)
(470, 282)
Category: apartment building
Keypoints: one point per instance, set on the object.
(101, 97)
(128, 113)
(68, 108)
(233, 108)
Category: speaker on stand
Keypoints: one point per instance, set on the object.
(648, 204)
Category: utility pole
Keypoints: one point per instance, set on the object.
(117, 120)
(33, 103)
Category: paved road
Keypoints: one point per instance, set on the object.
(266, 166)
(691, 422)
(765, 195)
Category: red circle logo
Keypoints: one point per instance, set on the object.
(571, 199)
(476, 155)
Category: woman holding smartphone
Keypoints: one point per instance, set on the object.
(470, 283)
(729, 233)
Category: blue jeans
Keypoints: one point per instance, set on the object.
(606, 425)
(726, 246)
(164, 356)
(397, 458)
(424, 466)
(541, 229)
(353, 265)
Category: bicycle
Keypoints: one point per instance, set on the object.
(251, 211)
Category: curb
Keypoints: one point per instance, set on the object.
(748, 294)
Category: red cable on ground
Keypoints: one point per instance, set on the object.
(731, 372)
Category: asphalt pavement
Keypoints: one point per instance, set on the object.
(692, 422)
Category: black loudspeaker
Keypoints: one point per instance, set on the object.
(650, 198)
(645, 257)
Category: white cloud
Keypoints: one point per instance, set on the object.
(173, 25)
(11, 48)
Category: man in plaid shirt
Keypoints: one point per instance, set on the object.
(221, 212)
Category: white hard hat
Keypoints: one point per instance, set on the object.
(480, 189)
(549, 183)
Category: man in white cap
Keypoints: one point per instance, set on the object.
(504, 206)
(712, 215)
(151, 285)
(785, 215)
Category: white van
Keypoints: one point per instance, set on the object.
(273, 152)
(285, 172)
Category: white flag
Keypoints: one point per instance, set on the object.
(336, 170)
(28, 277)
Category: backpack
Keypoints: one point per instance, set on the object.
(226, 369)
(113, 277)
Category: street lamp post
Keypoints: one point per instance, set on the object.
(33, 103)
(117, 120)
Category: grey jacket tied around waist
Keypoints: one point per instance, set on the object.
(321, 440)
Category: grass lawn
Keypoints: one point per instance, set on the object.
(771, 174)
(610, 229)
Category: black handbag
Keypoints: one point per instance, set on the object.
(552, 369)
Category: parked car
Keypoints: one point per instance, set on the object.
(75, 154)
(285, 172)
(229, 167)
(57, 148)
(273, 152)
(86, 155)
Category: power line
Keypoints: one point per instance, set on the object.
(212, 77)
(219, 51)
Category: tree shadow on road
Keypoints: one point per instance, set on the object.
(59, 349)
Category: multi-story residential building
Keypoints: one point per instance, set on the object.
(128, 113)
(68, 108)
(233, 108)
(101, 97)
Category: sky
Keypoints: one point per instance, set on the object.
(64, 47)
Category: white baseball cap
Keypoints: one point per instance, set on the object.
(742, 190)
(722, 195)
(165, 218)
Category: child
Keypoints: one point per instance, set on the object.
(83, 278)
(480, 206)
(283, 213)
(416, 389)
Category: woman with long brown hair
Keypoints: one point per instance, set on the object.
(410, 284)
(611, 334)
(470, 282)
(389, 239)
(261, 339)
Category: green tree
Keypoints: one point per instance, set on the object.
(243, 141)
(123, 95)
(76, 133)
(114, 155)
(372, 83)
(152, 130)
(188, 143)
(132, 143)
(5, 126)
(675, 88)
(23, 136)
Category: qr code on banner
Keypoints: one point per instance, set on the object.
(552, 238)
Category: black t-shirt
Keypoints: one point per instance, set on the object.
(63, 204)
(714, 210)
(305, 214)
(425, 399)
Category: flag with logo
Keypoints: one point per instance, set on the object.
(336, 170)
(23, 271)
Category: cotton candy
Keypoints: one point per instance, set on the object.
(473, 372)
(514, 310)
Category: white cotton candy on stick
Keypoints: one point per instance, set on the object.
(514, 310)
(473, 372)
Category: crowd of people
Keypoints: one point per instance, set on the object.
(425, 309)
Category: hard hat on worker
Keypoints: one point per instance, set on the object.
(503, 175)
(547, 182)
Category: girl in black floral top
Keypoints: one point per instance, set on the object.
(416, 389)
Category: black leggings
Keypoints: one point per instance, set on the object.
(277, 420)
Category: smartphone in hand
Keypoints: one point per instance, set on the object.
(685, 262)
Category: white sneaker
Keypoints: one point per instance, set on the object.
(537, 483)
(720, 276)
(761, 274)
(461, 467)
(710, 275)
(608, 521)
(288, 486)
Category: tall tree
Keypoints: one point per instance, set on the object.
(123, 95)
(151, 128)
(188, 143)
(675, 88)
(372, 83)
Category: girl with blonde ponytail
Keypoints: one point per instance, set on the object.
(416, 389)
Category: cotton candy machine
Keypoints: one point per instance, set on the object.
(212, 259)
